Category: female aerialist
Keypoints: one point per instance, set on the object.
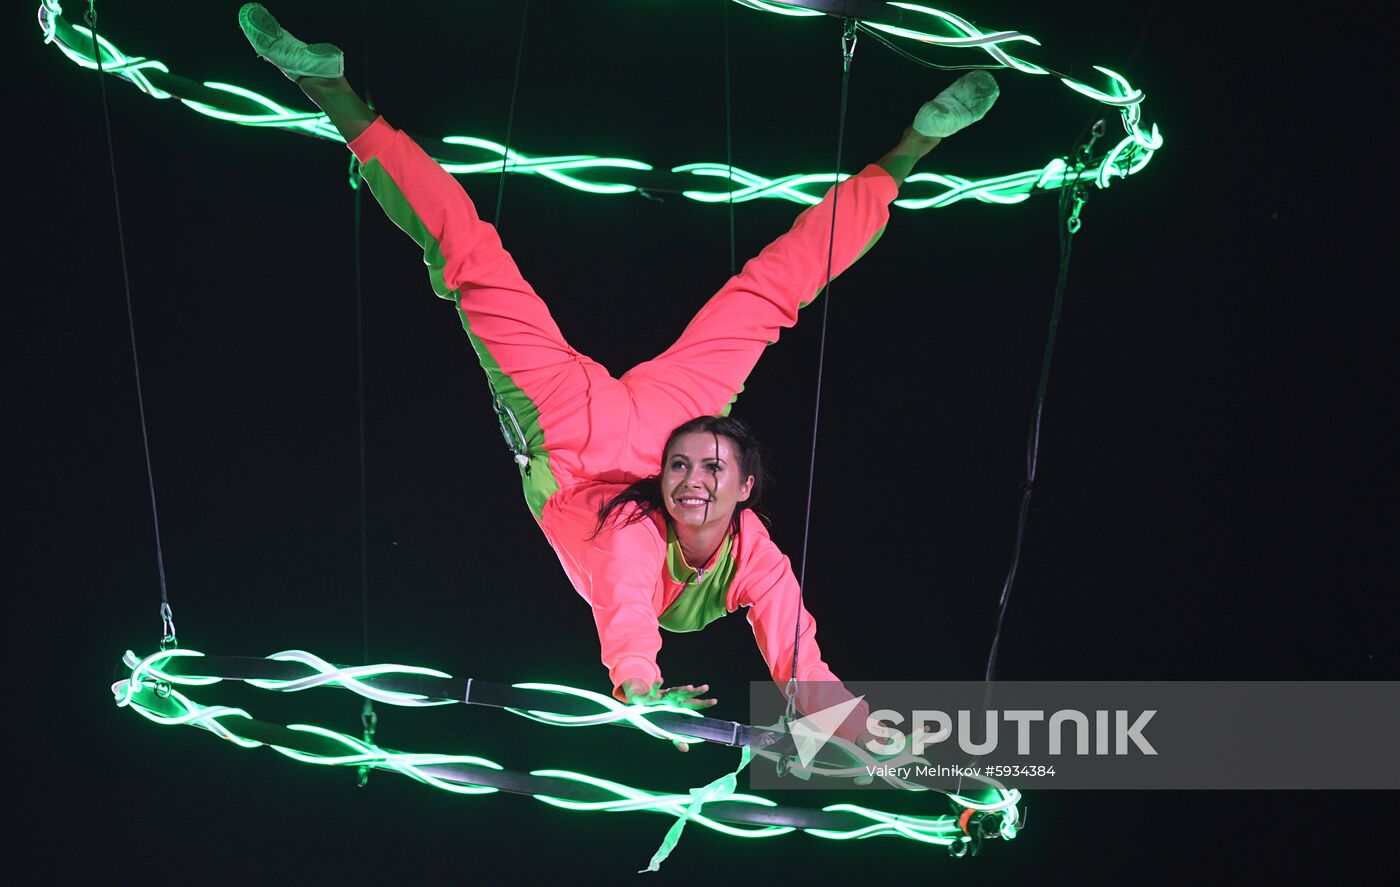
(673, 545)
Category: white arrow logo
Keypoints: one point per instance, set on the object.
(809, 734)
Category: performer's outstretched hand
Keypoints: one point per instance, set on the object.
(638, 693)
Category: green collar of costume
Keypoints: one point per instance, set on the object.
(705, 595)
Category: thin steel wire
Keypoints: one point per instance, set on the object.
(131, 325)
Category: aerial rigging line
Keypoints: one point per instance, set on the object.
(729, 141)
(510, 116)
(167, 618)
(1070, 203)
(369, 719)
(848, 48)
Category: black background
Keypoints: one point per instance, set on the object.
(1215, 499)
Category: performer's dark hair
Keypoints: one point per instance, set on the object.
(646, 493)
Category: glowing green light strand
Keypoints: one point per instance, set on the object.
(369, 754)
(613, 712)
(780, 9)
(150, 679)
(916, 827)
(275, 115)
(754, 187)
(887, 768)
(409, 764)
(148, 674)
(720, 789)
(1124, 93)
(964, 35)
(193, 714)
(860, 763)
(634, 799)
(115, 62)
(933, 831)
(1127, 157)
(327, 675)
(348, 677)
(551, 168)
(147, 671)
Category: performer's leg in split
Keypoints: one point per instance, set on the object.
(547, 394)
(704, 371)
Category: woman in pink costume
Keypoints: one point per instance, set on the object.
(673, 549)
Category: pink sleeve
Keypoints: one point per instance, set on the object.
(624, 566)
(766, 585)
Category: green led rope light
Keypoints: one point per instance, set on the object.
(271, 114)
(552, 168)
(351, 678)
(130, 68)
(583, 172)
(631, 799)
(327, 674)
(151, 692)
(611, 711)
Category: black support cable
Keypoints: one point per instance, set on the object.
(510, 116)
(369, 719)
(1071, 200)
(729, 142)
(847, 53)
(166, 616)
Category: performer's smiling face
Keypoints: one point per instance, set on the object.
(702, 480)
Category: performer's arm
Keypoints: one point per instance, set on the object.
(624, 564)
(770, 590)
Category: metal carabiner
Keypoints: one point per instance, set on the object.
(514, 435)
(369, 722)
(167, 628)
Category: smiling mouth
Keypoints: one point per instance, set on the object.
(690, 501)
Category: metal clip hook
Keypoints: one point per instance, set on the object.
(1095, 133)
(784, 762)
(369, 722)
(167, 628)
(1073, 223)
(512, 432)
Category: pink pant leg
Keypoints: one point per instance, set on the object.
(704, 371)
(550, 397)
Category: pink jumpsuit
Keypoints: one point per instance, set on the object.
(582, 436)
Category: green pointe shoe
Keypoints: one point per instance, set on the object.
(962, 104)
(292, 57)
